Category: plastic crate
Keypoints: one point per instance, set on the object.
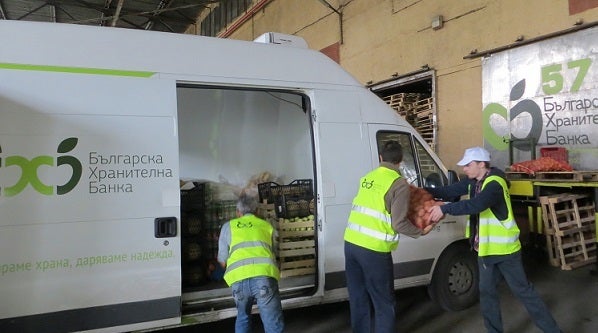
(558, 153)
(195, 198)
(271, 192)
(294, 206)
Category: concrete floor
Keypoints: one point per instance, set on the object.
(571, 295)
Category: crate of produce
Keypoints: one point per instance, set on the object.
(193, 275)
(270, 192)
(194, 198)
(191, 223)
(296, 246)
(294, 206)
(558, 153)
(266, 211)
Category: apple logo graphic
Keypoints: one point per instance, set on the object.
(523, 123)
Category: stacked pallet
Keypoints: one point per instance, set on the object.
(418, 110)
(569, 222)
(424, 119)
(403, 103)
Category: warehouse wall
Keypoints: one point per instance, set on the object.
(377, 38)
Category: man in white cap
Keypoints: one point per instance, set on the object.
(494, 234)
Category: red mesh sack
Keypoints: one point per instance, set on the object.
(420, 202)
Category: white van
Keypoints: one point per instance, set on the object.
(100, 128)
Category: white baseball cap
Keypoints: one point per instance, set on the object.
(474, 154)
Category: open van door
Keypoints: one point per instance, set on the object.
(72, 142)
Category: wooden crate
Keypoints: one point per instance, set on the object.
(569, 224)
(266, 211)
(296, 247)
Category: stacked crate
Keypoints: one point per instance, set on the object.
(290, 209)
(418, 110)
(569, 222)
(204, 209)
(296, 246)
(193, 267)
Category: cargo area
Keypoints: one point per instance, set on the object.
(252, 140)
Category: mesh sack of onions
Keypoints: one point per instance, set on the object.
(420, 202)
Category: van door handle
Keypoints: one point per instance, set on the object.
(165, 227)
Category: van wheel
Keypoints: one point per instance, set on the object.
(455, 281)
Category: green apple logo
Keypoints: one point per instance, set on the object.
(497, 121)
(29, 170)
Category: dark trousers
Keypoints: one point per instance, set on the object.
(370, 283)
(492, 268)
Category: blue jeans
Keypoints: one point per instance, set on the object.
(263, 291)
(492, 268)
(370, 282)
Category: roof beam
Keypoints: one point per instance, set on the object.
(32, 11)
(2, 15)
(119, 7)
(146, 13)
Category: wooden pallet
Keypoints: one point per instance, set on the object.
(570, 176)
(518, 175)
(569, 224)
(569, 251)
(424, 104)
(418, 111)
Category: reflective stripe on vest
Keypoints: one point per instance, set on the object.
(373, 213)
(370, 225)
(373, 233)
(250, 253)
(498, 237)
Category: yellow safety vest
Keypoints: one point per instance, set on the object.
(498, 237)
(250, 253)
(370, 224)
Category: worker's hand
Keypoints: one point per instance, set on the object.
(435, 214)
(428, 228)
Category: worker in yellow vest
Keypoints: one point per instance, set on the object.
(378, 216)
(246, 251)
(494, 234)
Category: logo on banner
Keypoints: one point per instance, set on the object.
(496, 120)
(565, 108)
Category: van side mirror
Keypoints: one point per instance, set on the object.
(433, 180)
(453, 177)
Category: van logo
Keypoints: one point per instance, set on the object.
(29, 168)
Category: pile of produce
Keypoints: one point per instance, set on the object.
(420, 202)
(542, 164)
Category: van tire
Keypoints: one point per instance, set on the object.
(455, 280)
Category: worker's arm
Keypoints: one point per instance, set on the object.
(224, 244)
